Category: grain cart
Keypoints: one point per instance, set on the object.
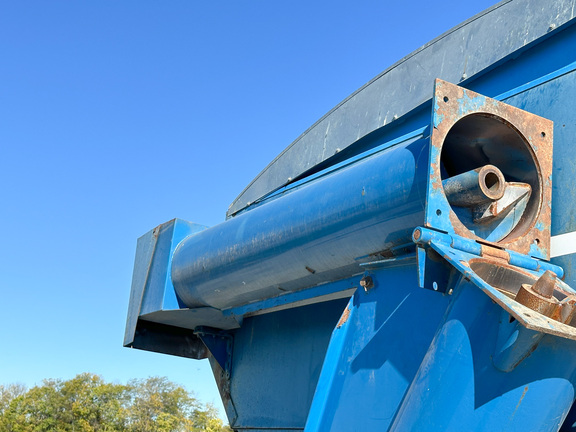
(407, 264)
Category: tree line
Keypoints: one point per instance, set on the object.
(86, 403)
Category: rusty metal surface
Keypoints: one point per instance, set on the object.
(531, 236)
(471, 188)
(344, 317)
(515, 195)
(548, 298)
(529, 297)
(495, 253)
(498, 280)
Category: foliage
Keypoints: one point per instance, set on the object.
(87, 403)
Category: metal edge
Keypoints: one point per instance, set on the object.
(406, 85)
(145, 248)
(527, 317)
(536, 130)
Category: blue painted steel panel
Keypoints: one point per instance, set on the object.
(375, 352)
(555, 99)
(458, 388)
(276, 362)
(460, 355)
(314, 234)
(152, 288)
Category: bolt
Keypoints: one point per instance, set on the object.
(417, 234)
(367, 283)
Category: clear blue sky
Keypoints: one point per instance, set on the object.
(118, 115)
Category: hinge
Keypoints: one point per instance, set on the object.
(424, 237)
(488, 251)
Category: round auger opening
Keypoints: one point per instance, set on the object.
(491, 178)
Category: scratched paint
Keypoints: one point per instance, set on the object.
(470, 102)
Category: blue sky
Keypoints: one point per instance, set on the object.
(118, 115)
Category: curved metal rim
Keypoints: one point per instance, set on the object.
(408, 84)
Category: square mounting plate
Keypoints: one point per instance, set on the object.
(528, 159)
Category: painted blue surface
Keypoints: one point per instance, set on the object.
(169, 235)
(458, 388)
(555, 99)
(448, 358)
(276, 363)
(509, 76)
(317, 233)
(286, 300)
(411, 359)
(375, 354)
(405, 139)
(152, 288)
(545, 57)
(470, 247)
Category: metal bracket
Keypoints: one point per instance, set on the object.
(424, 236)
(220, 344)
(470, 131)
(501, 280)
(514, 343)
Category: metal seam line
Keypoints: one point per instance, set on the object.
(563, 244)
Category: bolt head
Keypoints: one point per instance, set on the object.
(367, 283)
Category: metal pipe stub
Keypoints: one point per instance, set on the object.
(474, 187)
(471, 131)
(540, 296)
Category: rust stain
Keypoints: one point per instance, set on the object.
(310, 270)
(435, 178)
(536, 132)
(344, 318)
(519, 402)
(537, 302)
(495, 253)
(417, 234)
(567, 309)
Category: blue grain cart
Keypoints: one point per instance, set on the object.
(408, 263)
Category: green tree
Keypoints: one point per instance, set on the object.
(87, 403)
(8, 393)
(159, 405)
